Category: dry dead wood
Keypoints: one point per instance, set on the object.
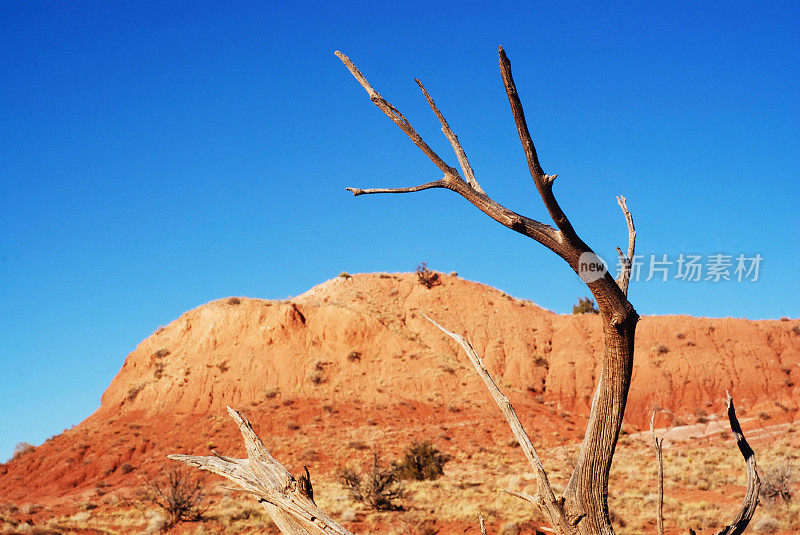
(288, 501)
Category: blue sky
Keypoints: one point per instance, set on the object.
(157, 157)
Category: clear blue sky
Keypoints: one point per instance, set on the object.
(157, 157)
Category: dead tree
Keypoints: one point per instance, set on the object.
(582, 508)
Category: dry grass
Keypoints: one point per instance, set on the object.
(704, 484)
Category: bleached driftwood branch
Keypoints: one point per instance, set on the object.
(545, 498)
(288, 501)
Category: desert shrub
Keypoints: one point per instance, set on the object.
(427, 277)
(234, 301)
(134, 390)
(178, 494)
(796, 329)
(272, 392)
(354, 356)
(316, 377)
(100, 487)
(126, 468)
(223, 366)
(22, 448)
(766, 524)
(421, 461)
(161, 353)
(680, 336)
(776, 484)
(158, 370)
(345, 275)
(660, 349)
(378, 487)
(585, 305)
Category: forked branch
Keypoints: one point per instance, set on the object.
(469, 175)
(396, 117)
(288, 501)
(469, 188)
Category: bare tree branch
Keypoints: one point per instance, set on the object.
(750, 501)
(483, 526)
(544, 234)
(287, 501)
(453, 138)
(657, 443)
(522, 496)
(544, 182)
(627, 262)
(545, 499)
(441, 183)
(397, 117)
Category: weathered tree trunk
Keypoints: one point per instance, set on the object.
(587, 490)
